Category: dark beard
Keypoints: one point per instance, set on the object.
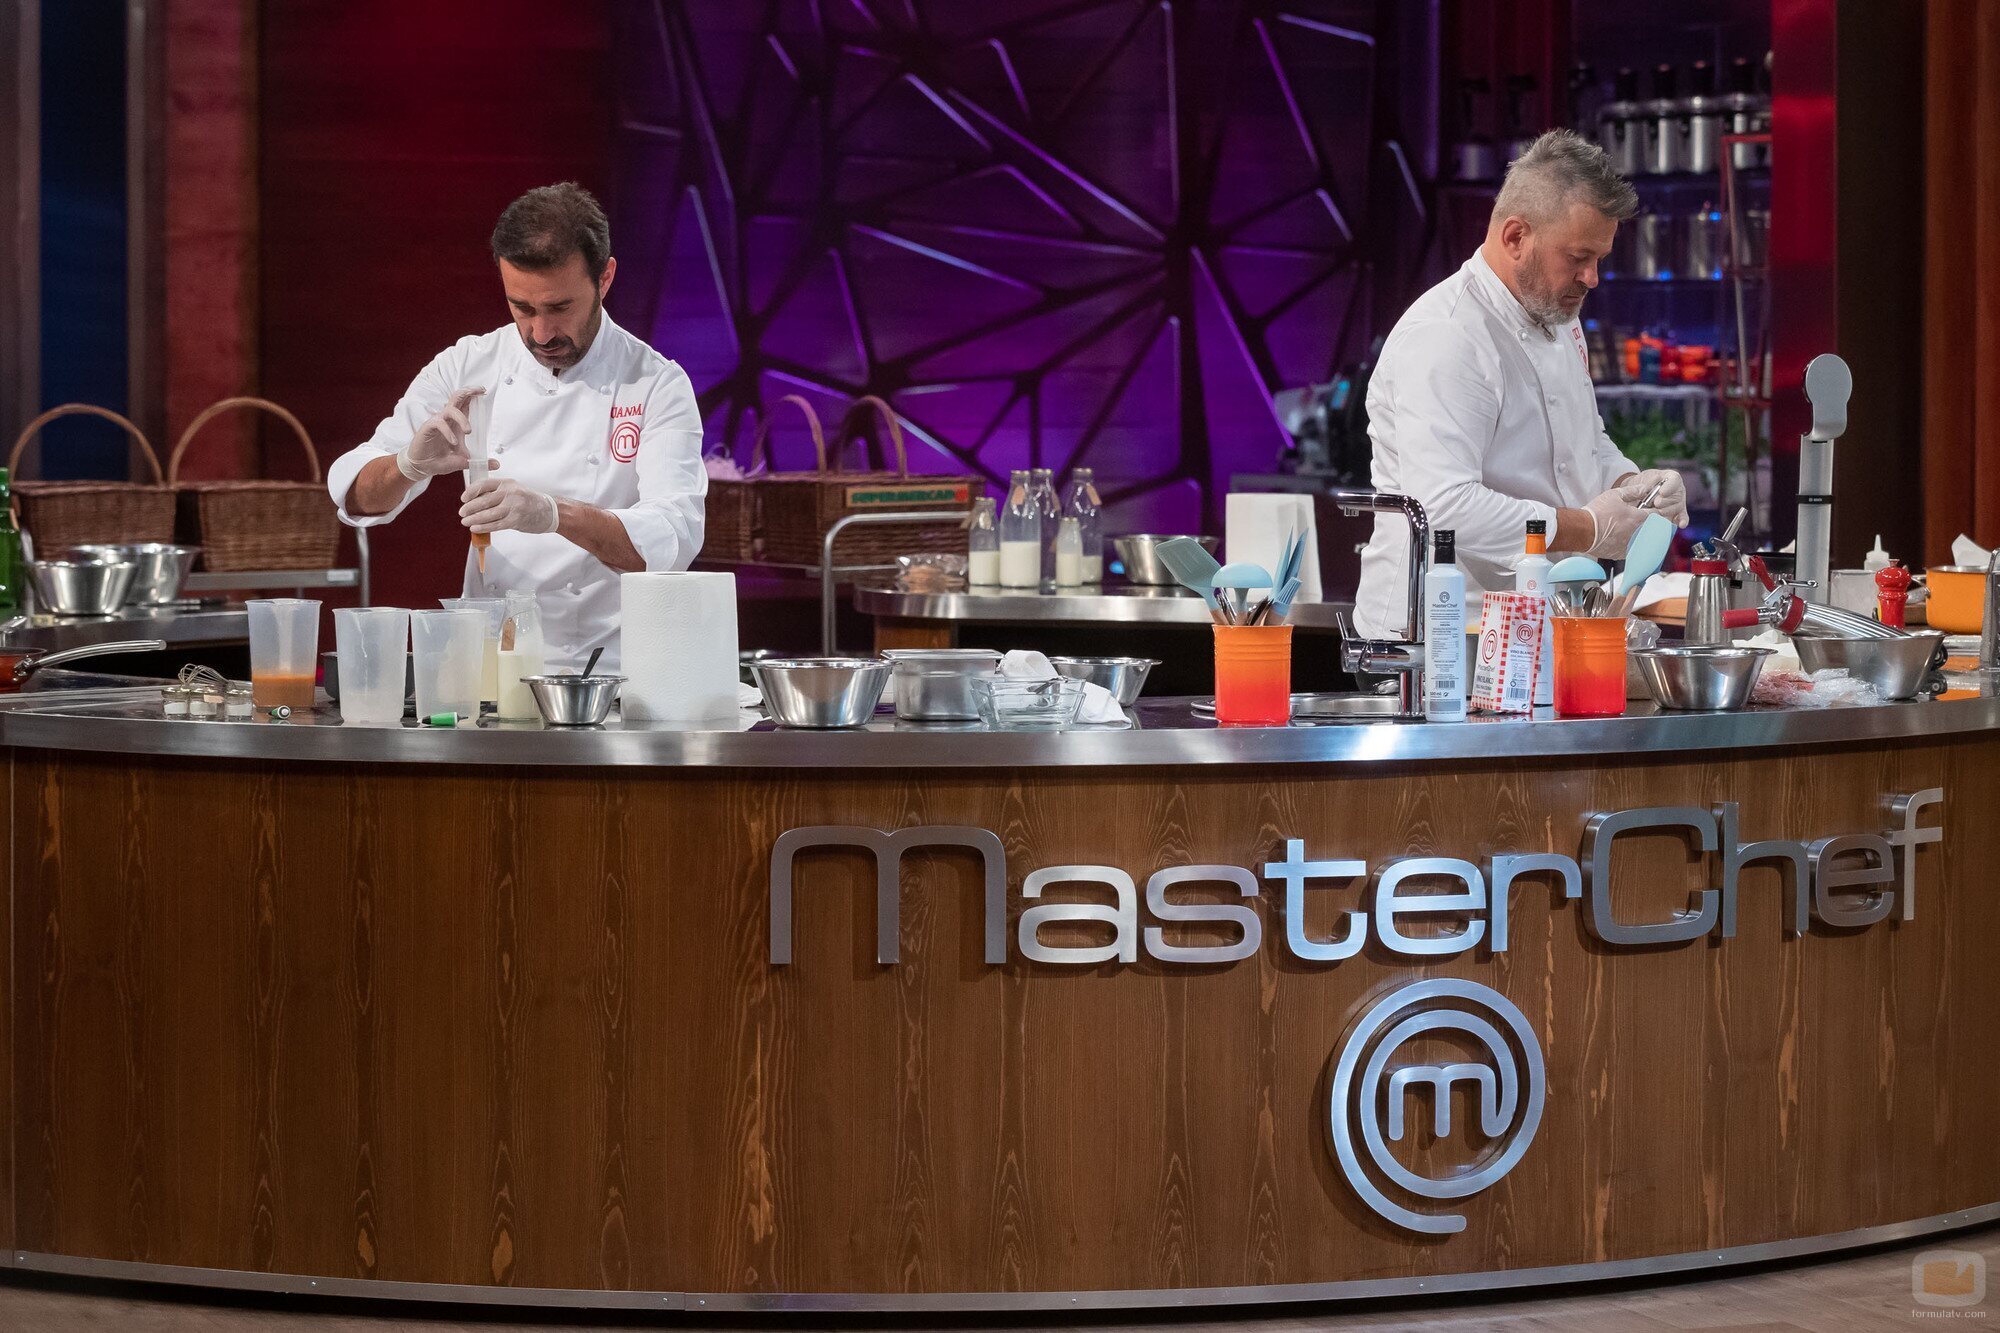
(577, 350)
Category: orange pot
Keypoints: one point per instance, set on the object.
(1958, 598)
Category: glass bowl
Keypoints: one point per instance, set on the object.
(1027, 705)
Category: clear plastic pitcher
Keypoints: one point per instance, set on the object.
(373, 643)
(449, 647)
(284, 651)
(521, 654)
(495, 611)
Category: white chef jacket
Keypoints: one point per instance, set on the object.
(1489, 420)
(618, 430)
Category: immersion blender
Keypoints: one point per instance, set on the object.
(478, 417)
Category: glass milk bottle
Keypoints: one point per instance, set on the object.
(1082, 505)
(982, 545)
(1042, 488)
(1020, 535)
(1069, 554)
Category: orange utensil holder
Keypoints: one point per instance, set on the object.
(1590, 666)
(1253, 675)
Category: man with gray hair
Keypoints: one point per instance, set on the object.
(1481, 405)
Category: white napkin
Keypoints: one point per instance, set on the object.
(1099, 704)
(748, 696)
(1965, 551)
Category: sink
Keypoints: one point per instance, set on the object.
(1344, 707)
(1314, 708)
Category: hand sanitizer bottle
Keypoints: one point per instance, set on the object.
(1444, 632)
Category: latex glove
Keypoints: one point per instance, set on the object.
(503, 504)
(1672, 499)
(1617, 518)
(438, 446)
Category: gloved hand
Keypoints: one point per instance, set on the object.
(439, 444)
(1672, 499)
(1617, 518)
(504, 504)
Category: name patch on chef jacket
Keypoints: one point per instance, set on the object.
(625, 423)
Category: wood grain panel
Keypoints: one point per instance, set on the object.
(517, 1027)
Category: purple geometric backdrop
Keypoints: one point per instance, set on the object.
(1050, 232)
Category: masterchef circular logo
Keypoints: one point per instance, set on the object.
(625, 441)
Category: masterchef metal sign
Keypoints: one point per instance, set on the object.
(1847, 881)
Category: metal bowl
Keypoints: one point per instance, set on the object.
(1139, 553)
(935, 684)
(574, 701)
(821, 691)
(82, 587)
(1125, 677)
(1701, 677)
(163, 567)
(1895, 667)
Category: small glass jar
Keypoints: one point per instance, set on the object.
(204, 703)
(174, 701)
(237, 704)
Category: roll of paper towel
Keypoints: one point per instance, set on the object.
(1255, 526)
(679, 647)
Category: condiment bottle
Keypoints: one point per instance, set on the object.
(1532, 576)
(1892, 593)
(1877, 559)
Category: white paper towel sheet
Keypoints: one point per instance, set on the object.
(1254, 529)
(679, 650)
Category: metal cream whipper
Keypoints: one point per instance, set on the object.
(1829, 384)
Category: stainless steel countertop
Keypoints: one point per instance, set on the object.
(128, 721)
(179, 626)
(1119, 603)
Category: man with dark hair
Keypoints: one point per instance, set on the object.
(592, 437)
(1481, 404)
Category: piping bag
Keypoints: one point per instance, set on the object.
(478, 417)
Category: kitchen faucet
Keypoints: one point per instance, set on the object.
(1387, 657)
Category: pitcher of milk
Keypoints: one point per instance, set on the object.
(520, 655)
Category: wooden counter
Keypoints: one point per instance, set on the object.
(311, 1024)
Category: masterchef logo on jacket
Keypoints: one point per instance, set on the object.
(625, 425)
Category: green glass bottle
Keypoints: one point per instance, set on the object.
(13, 567)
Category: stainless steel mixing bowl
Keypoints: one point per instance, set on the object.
(821, 691)
(162, 568)
(574, 701)
(1140, 554)
(81, 587)
(1895, 667)
(1125, 677)
(1701, 677)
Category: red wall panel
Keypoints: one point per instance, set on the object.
(392, 136)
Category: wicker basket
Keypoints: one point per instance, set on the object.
(257, 524)
(796, 508)
(61, 514)
(733, 530)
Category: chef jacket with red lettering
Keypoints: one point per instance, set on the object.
(1488, 419)
(619, 430)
